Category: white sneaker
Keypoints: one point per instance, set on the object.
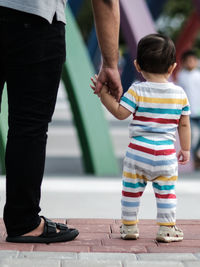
(169, 234)
(129, 231)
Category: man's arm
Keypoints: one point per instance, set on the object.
(107, 21)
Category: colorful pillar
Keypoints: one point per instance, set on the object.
(136, 22)
(128, 75)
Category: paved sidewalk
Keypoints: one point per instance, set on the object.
(99, 244)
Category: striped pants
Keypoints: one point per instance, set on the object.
(149, 159)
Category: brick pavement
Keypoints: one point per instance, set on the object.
(102, 235)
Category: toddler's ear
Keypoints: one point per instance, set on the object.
(137, 66)
(171, 68)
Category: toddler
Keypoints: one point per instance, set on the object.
(158, 108)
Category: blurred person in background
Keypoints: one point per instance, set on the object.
(189, 79)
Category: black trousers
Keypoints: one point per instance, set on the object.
(32, 53)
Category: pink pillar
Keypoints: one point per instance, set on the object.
(136, 22)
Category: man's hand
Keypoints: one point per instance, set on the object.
(111, 78)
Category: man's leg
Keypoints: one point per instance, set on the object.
(33, 69)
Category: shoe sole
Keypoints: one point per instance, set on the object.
(169, 239)
(129, 236)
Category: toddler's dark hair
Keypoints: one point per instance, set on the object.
(156, 53)
(188, 53)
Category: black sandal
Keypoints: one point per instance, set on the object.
(49, 234)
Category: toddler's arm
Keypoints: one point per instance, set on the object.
(113, 106)
(185, 139)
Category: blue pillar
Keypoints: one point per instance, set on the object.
(93, 49)
(75, 6)
(155, 7)
(128, 74)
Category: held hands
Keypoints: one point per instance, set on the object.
(110, 77)
(183, 157)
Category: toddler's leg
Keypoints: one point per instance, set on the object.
(164, 189)
(133, 188)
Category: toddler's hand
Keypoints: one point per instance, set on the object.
(94, 81)
(93, 86)
(183, 157)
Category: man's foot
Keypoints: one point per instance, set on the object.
(169, 234)
(47, 232)
(129, 231)
(37, 231)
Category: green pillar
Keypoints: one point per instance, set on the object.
(93, 133)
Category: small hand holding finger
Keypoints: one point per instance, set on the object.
(93, 86)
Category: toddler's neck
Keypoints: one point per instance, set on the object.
(155, 77)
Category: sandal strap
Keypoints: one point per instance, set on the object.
(49, 227)
(61, 226)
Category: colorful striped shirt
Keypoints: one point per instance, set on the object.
(156, 108)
